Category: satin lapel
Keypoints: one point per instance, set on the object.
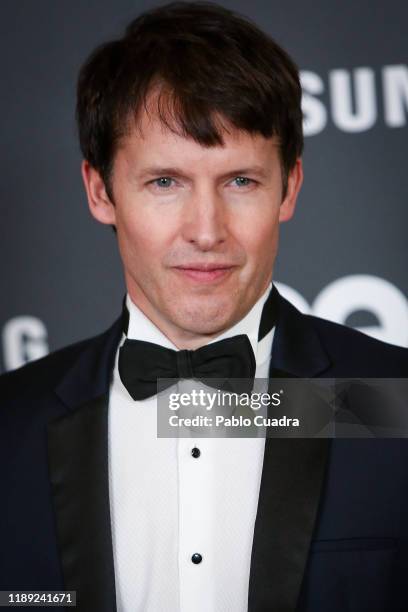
(78, 457)
(292, 479)
(78, 468)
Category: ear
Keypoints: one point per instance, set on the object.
(100, 205)
(295, 180)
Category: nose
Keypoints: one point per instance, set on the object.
(205, 219)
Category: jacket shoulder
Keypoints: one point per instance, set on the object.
(42, 374)
(353, 348)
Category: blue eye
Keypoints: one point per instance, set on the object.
(243, 181)
(163, 182)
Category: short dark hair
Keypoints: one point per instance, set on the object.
(208, 62)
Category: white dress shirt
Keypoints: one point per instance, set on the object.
(167, 505)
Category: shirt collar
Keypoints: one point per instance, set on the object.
(142, 328)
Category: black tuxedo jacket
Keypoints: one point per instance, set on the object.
(331, 531)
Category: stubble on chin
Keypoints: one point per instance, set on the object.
(205, 316)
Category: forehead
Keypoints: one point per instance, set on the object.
(149, 139)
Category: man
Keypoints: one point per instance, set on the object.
(191, 131)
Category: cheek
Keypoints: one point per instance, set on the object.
(144, 238)
(258, 235)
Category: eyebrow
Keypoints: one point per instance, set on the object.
(174, 171)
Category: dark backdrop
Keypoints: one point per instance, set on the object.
(343, 256)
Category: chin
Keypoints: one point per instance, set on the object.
(203, 320)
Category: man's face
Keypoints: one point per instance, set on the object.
(197, 226)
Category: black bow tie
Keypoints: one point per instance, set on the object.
(141, 363)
